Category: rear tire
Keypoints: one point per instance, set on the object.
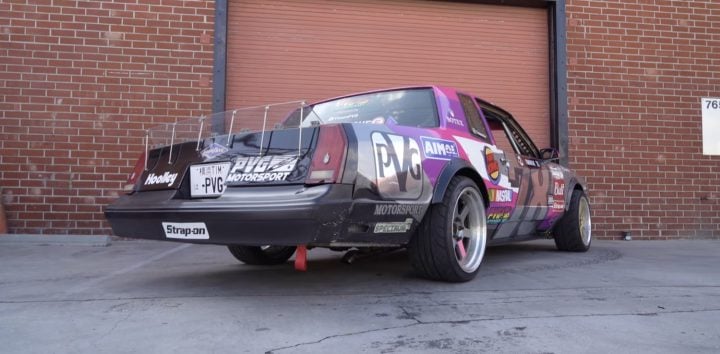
(450, 242)
(262, 255)
(573, 233)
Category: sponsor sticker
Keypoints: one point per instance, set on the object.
(393, 227)
(186, 230)
(272, 168)
(556, 172)
(439, 149)
(533, 163)
(214, 150)
(558, 195)
(346, 116)
(414, 210)
(352, 102)
(450, 118)
(493, 168)
(398, 166)
(498, 173)
(498, 215)
(166, 178)
(500, 195)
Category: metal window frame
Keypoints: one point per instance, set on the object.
(557, 98)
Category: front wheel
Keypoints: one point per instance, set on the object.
(573, 232)
(262, 255)
(450, 243)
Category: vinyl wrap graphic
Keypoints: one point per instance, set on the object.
(391, 176)
(398, 169)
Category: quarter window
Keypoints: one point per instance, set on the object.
(475, 122)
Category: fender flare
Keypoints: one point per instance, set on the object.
(457, 167)
(572, 185)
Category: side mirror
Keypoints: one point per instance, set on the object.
(549, 154)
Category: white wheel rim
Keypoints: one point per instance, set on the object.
(585, 222)
(469, 229)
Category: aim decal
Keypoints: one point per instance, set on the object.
(439, 149)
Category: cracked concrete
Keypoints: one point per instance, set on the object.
(163, 297)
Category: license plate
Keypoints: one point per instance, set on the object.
(186, 230)
(208, 180)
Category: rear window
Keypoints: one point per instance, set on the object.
(414, 107)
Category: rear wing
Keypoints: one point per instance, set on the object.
(248, 119)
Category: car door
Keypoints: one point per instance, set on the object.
(528, 176)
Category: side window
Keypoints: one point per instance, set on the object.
(504, 127)
(502, 140)
(473, 116)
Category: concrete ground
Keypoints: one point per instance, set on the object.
(148, 297)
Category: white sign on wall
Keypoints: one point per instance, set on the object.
(711, 126)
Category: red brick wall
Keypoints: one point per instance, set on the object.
(637, 70)
(79, 80)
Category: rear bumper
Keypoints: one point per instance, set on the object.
(277, 215)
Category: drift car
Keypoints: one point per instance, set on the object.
(435, 170)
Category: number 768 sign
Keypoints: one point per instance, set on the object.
(711, 126)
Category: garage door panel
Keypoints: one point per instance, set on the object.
(285, 50)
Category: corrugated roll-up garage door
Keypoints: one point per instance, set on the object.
(286, 50)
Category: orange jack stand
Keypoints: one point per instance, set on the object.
(301, 258)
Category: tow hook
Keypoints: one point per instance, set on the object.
(301, 258)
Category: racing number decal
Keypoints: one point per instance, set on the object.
(398, 168)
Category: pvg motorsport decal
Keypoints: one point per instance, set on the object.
(272, 168)
(398, 166)
(414, 210)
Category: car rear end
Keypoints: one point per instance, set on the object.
(280, 187)
(348, 174)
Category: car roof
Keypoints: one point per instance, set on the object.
(384, 90)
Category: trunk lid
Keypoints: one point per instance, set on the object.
(241, 159)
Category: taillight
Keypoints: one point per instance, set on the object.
(329, 157)
(136, 173)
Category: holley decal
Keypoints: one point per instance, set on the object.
(166, 178)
